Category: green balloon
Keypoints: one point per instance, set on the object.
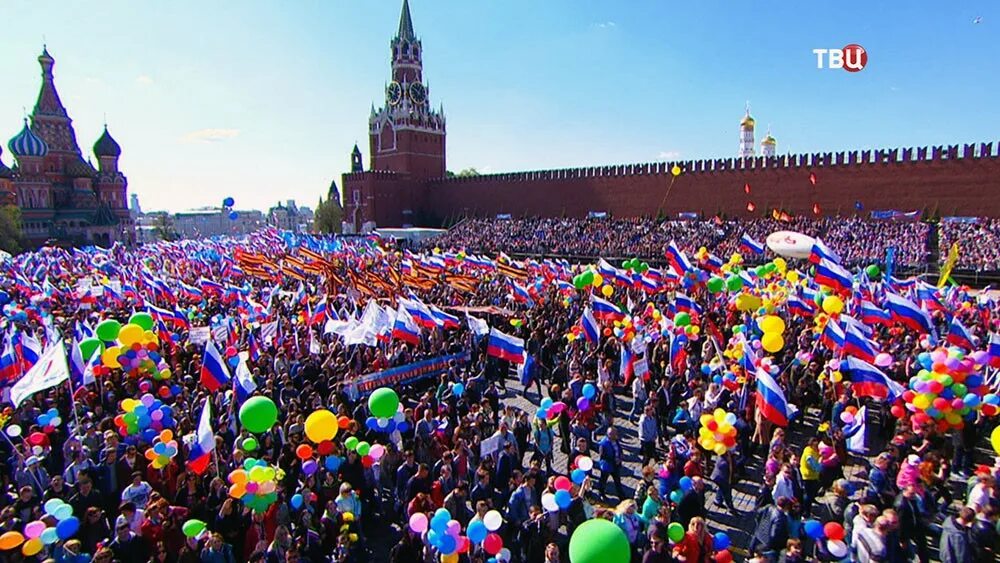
(578, 282)
(90, 345)
(682, 319)
(363, 448)
(643, 267)
(599, 541)
(258, 414)
(250, 444)
(873, 271)
(734, 283)
(626, 264)
(675, 531)
(588, 277)
(108, 330)
(351, 443)
(759, 270)
(383, 403)
(716, 284)
(145, 320)
(193, 527)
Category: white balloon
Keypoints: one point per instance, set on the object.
(37, 450)
(493, 520)
(549, 502)
(586, 463)
(13, 431)
(504, 555)
(837, 548)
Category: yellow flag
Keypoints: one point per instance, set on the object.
(948, 266)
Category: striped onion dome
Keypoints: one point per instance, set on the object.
(4, 171)
(106, 145)
(26, 143)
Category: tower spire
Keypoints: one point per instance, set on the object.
(405, 23)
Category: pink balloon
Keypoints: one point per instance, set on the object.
(883, 360)
(418, 523)
(34, 529)
(231, 351)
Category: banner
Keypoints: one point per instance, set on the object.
(895, 215)
(966, 220)
(51, 370)
(199, 335)
(410, 373)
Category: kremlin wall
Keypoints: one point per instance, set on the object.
(405, 183)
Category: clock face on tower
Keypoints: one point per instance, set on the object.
(394, 93)
(418, 93)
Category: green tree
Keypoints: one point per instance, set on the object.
(467, 173)
(11, 236)
(328, 216)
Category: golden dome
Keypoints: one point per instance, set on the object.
(769, 140)
(747, 121)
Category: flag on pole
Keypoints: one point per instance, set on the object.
(214, 372)
(203, 442)
(50, 370)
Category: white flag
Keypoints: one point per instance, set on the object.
(478, 326)
(856, 442)
(314, 347)
(268, 331)
(51, 370)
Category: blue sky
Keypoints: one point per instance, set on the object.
(264, 100)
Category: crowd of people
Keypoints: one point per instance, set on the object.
(464, 474)
(858, 241)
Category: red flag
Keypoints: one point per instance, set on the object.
(812, 178)
(751, 207)
(746, 188)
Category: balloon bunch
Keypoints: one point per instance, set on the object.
(717, 432)
(227, 205)
(38, 533)
(563, 497)
(386, 414)
(485, 532)
(549, 410)
(443, 533)
(321, 428)
(686, 324)
(49, 420)
(582, 466)
(773, 328)
(949, 389)
(832, 532)
(145, 418)
(164, 449)
(255, 484)
(587, 279)
(588, 392)
(635, 265)
(132, 347)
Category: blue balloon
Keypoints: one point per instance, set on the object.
(439, 524)
(296, 501)
(234, 361)
(546, 403)
(476, 531)
(458, 389)
(233, 215)
(589, 391)
(814, 529)
(447, 544)
(372, 423)
(433, 537)
(720, 541)
(332, 462)
(228, 202)
(403, 427)
(49, 536)
(686, 483)
(563, 499)
(706, 369)
(542, 414)
(578, 475)
(717, 379)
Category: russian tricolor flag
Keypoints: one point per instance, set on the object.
(172, 317)
(678, 261)
(855, 344)
(870, 314)
(799, 307)
(445, 320)
(9, 366)
(684, 304)
(214, 372)
(958, 335)
(590, 329)
(833, 276)
(191, 292)
(28, 347)
(994, 350)
(748, 244)
(505, 347)
(209, 285)
(908, 313)
(203, 444)
(771, 399)
(822, 252)
(521, 294)
(605, 309)
(833, 336)
(405, 328)
(869, 381)
(319, 314)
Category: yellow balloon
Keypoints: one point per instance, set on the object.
(836, 376)
(449, 558)
(720, 448)
(747, 302)
(719, 415)
(771, 323)
(676, 170)
(792, 276)
(109, 357)
(598, 280)
(995, 439)
(772, 342)
(736, 258)
(833, 304)
(130, 334)
(321, 425)
(32, 547)
(607, 291)
(780, 263)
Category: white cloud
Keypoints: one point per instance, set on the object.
(211, 135)
(144, 80)
(605, 25)
(668, 155)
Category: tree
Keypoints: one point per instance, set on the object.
(467, 173)
(11, 236)
(328, 216)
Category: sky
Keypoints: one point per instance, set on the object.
(263, 101)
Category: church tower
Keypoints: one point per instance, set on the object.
(406, 135)
(356, 163)
(746, 135)
(768, 145)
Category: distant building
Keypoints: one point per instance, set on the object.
(62, 196)
(290, 217)
(134, 208)
(214, 221)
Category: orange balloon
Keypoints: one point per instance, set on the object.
(304, 451)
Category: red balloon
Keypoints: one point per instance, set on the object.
(897, 411)
(136, 346)
(343, 422)
(304, 452)
(325, 447)
(493, 544)
(935, 387)
(712, 425)
(724, 557)
(463, 544)
(37, 439)
(367, 461)
(231, 351)
(563, 483)
(833, 531)
(941, 404)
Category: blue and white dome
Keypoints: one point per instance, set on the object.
(26, 143)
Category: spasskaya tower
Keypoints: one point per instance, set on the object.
(406, 135)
